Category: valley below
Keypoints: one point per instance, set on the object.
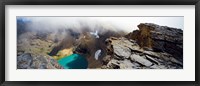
(151, 46)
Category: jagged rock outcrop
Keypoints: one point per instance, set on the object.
(32, 53)
(28, 61)
(136, 57)
(150, 47)
(24, 61)
(159, 38)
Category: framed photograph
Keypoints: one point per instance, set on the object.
(109, 42)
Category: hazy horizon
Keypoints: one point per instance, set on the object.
(127, 24)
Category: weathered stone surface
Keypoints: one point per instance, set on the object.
(126, 54)
(152, 59)
(122, 52)
(175, 61)
(106, 59)
(28, 61)
(113, 64)
(24, 61)
(159, 38)
(37, 49)
(140, 60)
(126, 64)
(117, 64)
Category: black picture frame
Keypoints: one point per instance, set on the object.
(99, 2)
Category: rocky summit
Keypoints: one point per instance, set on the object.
(159, 38)
(150, 47)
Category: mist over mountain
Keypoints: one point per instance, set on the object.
(42, 42)
(72, 33)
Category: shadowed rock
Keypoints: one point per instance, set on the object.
(159, 38)
(150, 47)
(24, 61)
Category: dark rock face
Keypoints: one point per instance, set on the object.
(32, 53)
(127, 54)
(28, 61)
(25, 61)
(159, 38)
(150, 47)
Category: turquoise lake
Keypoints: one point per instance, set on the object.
(74, 61)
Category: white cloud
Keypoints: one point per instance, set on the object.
(126, 23)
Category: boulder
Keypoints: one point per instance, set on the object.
(152, 59)
(140, 60)
(159, 38)
(127, 53)
(24, 61)
(122, 52)
(113, 64)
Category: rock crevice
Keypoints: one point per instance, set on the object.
(150, 47)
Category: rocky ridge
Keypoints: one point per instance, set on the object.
(32, 53)
(150, 47)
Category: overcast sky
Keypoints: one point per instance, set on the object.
(126, 23)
